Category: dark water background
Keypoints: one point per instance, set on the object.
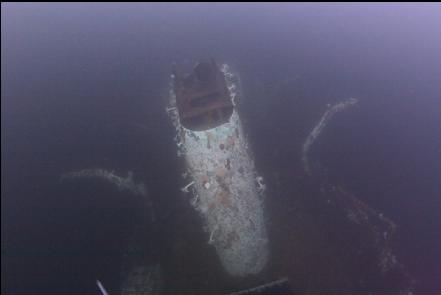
(85, 86)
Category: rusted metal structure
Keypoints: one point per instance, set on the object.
(202, 97)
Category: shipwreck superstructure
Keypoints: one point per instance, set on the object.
(227, 192)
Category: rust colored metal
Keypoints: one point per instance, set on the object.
(202, 97)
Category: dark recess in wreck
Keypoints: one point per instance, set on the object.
(202, 97)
